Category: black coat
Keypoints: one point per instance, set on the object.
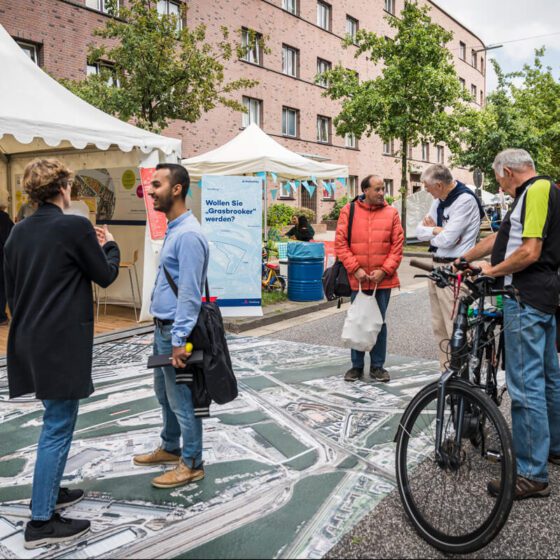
(50, 261)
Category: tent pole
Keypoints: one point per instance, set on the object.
(265, 209)
(9, 185)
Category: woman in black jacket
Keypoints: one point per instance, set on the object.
(50, 262)
(302, 230)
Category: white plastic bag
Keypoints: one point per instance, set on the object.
(363, 323)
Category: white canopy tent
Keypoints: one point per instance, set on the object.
(39, 117)
(254, 151)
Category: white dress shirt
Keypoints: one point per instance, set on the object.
(461, 225)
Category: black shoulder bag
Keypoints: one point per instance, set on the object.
(209, 336)
(335, 278)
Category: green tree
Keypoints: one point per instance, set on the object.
(415, 94)
(523, 112)
(158, 69)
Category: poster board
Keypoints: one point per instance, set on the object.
(157, 221)
(231, 214)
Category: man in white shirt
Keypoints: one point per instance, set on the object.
(452, 227)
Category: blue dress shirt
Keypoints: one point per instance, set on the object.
(185, 256)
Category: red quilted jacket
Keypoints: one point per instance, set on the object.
(377, 243)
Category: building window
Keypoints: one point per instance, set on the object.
(481, 98)
(103, 69)
(390, 6)
(329, 195)
(352, 186)
(290, 6)
(463, 83)
(440, 154)
(350, 140)
(388, 148)
(169, 8)
(102, 6)
(425, 151)
(290, 122)
(286, 190)
(481, 65)
(254, 111)
(290, 61)
(322, 67)
(462, 51)
(30, 50)
(351, 27)
(473, 92)
(252, 42)
(324, 15)
(389, 186)
(473, 59)
(324, 130)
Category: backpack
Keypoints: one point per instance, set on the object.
(335, 278)
(209, 336)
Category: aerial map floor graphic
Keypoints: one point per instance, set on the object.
(291, 465)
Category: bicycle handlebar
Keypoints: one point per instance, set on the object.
(422, 265)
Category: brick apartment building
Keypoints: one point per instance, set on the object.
(304, 38)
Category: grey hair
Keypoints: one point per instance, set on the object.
(516, 160)
(437, 173)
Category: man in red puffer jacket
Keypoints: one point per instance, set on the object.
(371, 259)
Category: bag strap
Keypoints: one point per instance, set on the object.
(174, 288)
(350, 221)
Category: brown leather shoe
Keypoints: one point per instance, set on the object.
(157, 457)
(554, 459)
(524, 488)
(179, 476)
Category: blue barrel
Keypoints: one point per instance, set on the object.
(305, 271)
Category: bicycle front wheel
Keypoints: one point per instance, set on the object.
(446, 497)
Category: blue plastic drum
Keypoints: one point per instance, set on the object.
(305, 271)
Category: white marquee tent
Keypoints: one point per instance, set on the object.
(39, 117)
(252, 151)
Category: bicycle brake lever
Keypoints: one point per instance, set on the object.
(421, 276)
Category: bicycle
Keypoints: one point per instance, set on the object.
(452, 439)
(271, 279)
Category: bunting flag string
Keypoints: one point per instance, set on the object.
(274, 193)
(261, 174)
(327, 186)
(274, 177)
(311, 190)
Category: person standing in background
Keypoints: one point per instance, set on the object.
(6, 226)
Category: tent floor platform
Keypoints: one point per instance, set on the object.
(117, 318)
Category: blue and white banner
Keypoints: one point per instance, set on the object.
(232, 221)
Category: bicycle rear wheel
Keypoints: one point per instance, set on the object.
(447, 501)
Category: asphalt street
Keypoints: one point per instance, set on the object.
(533, 528)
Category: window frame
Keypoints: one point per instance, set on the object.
(255, 49)
(326, 195)
(426, 152)
(350, 145)
(288, 50)
(114, 81)
(353, 185)
(102, 8)
(352, 20)
(328, 11)
(474, 59)
(463, 82)
(325, 121)
(167, 13)
(391, 148)
(282, 196)
(295, 4)
(389, 7)
(440, 152)
(27, 48)
(474, 92)
(389, 185)
(463, 51)
(285, 113)
(246, 117)
(323, 83)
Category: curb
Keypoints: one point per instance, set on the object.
(236, 328)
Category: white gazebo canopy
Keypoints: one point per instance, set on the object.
(253, 151)
(37, 113)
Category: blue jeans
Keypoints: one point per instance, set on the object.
(59, 421)
(379, 352)
(533, 380)
(176, 406)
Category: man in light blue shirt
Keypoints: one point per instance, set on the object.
(185, 257)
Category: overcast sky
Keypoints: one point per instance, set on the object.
(497, 21)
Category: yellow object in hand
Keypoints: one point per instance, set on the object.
(189, 347)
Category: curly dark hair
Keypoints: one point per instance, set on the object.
(43, 179)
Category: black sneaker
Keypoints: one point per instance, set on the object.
(353, 374)
(66, 498)
(57, 529)
(379, 374)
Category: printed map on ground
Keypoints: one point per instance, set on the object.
(291, 465)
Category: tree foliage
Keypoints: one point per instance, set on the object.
(523, 112)
(415, 94)
(158, 69)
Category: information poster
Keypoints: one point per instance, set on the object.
(231, 213)
(157, 221)
(118, 192)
